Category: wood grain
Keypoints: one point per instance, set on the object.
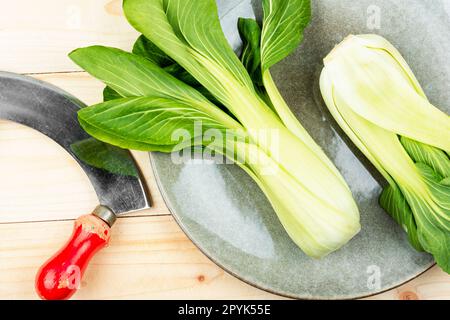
(79, 84)
(149, 256)
(36, 36)
(432, 285)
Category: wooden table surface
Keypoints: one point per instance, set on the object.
(42, 188)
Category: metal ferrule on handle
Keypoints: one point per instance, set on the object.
(105, 214)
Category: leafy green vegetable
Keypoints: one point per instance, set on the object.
(145, 48)
(148, 120)
(284, 23)
(378, 102)
(132, 76)
(148, 51)
(110, 94)
(393, 201)
(161, 105)
(104, 156)
(250, 33)
(283, 26)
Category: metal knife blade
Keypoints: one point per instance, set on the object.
(53, 112)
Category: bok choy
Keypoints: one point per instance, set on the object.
(378, 102)
(183, 71)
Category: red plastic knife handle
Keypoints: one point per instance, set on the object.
(60, 277)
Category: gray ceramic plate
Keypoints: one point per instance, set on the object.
(228, 218)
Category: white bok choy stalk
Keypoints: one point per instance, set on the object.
(182, 71)
(378, 102)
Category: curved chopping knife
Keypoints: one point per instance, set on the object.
(54, 113)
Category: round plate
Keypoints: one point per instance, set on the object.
(226, 215)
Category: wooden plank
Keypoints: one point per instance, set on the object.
(148, 257)
(432, 285)
(40, 181)
(80, 84)
(36, 37)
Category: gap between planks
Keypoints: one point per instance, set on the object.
(34, 74)
(126, 216)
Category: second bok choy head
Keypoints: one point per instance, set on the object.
(378, 102)
(182, 71)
